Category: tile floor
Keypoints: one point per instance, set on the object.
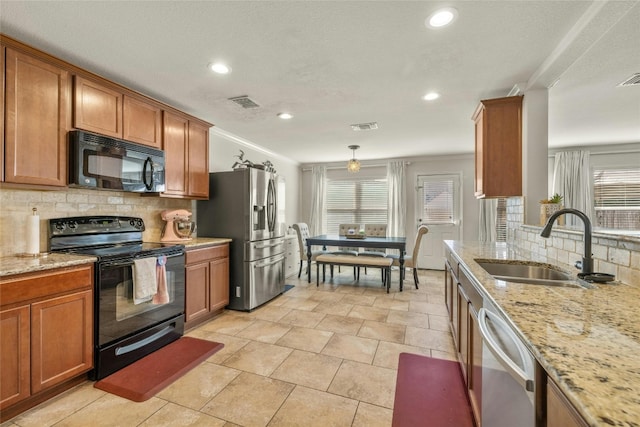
(322, 356)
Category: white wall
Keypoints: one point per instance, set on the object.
(463, 164)
(222, 151)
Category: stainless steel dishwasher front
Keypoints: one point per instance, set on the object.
(508, 373)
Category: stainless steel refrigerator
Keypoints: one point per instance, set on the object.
(244, 206)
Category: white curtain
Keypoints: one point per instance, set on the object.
(318, 193)
(487, 231)
(572, 179)
(397, 199)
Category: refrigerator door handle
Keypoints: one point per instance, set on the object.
(279, 242)
(266, 264)
(271, 205)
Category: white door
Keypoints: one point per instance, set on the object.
(438, 206)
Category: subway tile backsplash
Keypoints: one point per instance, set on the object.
(619, 256)
(16, 205)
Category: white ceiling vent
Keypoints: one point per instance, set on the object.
(365, 126)
(244, 101)
(631, 81)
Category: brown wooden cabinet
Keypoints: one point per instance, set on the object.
(15, 328)
(97, 107)
(198, 160)
(207, 283)
(37, 118)
(47, 333)
(560, 412)
(463, 302)
(186, 147)
(105, 109)
(498, 135)
(142, 121)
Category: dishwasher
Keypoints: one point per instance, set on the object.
(508, 373)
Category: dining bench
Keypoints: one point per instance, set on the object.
(355, 261)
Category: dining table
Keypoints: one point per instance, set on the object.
(324, 240)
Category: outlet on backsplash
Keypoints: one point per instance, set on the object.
(17, 204)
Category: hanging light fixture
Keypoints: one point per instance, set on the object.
(354, 165)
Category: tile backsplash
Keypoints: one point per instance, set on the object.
(16, 205)
(618, 255)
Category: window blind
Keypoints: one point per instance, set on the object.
(616, 194)
(361, 201)
(437, 203)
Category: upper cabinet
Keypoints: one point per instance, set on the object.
(44, 97)
(142, 122)
(97, 108)
(37, 119)
(186, 148)
(106, 110)
(498, 129)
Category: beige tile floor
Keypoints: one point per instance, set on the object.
(323, 356)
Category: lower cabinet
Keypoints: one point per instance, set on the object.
(207, 283)
(46, 330)
(560, 412)
(463, 302)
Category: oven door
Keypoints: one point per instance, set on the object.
(117, 316)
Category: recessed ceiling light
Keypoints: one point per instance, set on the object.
(220, 68)
(431, 96)
(285, 116)
(441, 17)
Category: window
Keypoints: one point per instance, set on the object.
(356, 201)
(616, 194)
(437, 200)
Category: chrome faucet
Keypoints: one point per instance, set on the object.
(587, 261)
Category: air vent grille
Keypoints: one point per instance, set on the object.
(631, 81)
(244, 101)
(365, 126)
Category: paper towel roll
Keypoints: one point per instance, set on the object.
(33, 234)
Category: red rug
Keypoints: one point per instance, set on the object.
(430, 392)
(147, 376)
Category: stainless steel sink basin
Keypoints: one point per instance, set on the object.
(528, 272)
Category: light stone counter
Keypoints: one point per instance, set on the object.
(203, 242)
(588, 340)
(200, 242)
(17, 264)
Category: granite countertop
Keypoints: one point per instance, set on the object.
(18, 264)
(201, 242)
(588, 340)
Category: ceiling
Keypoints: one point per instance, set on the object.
(336, 63)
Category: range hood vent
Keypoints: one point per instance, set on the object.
(631, 81)
(244, 101)
(365, 126)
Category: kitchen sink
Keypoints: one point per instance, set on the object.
(528, 272)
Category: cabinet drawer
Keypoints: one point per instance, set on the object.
(199, 255)
(453, 263)
(471, 292)
(45, 284)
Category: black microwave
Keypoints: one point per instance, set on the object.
(98, 161)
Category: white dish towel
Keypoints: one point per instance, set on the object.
(145, 284)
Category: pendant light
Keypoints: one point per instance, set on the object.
(354, 165)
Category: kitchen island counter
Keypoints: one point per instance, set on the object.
(19, 264)
(587, 340)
